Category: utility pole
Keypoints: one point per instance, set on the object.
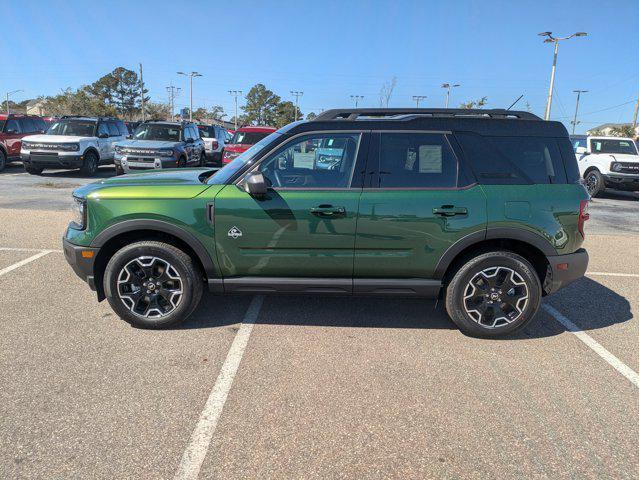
(555, 40)
(634, 119)
(574, 121)
(190, 75)
(297, 96)
(449, 87)
(418, 98)
(142, 93)
(173, 92)
(235, 94)
(357, 98)
(8, 94)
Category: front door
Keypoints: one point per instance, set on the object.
(305, 226)
(416, 204)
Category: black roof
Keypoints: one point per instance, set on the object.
(497, 122)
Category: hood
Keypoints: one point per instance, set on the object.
(44, 138)
(172, 183)
(147, 144)
(624, 157)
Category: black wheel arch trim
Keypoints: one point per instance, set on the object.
(94, 150)
(494, 233)
(160, 226)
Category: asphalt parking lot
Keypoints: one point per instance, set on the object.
(309, 387)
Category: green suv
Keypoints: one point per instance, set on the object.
(482, 208)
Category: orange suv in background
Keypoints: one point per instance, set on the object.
(242, 140)
(13, 127)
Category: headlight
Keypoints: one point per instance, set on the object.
(616, 167)
(70, 147)
(167, 153)
(79, 209)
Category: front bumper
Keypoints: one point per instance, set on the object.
(81, 260)
(129, 164)
(52, 159)
(565, 269)
(622, 181)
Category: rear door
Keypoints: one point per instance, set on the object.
(305, 226)
(13, 135)
(418, 200)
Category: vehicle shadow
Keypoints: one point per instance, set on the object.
(586, 303)
(609, 194)
(105, 171)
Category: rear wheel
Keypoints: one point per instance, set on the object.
(594, 183)
(33, 170)
(90, 165)
(493, 294)
(152, 284)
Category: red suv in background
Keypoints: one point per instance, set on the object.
(242, 140)
(13, 128)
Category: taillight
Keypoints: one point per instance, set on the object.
(214, 145)
(583, 216)
(226, 158)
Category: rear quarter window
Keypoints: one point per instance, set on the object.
(514, 160)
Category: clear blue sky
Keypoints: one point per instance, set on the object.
(333, 49)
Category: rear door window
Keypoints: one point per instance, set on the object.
(122, 128)
(416, 160)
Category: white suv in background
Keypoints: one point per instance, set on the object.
(607, 162)
(73, 142)
(215, 138)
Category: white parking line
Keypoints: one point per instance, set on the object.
(16, 249)
(10, 268)
(617, 364)
(200, 440)
(609, 274)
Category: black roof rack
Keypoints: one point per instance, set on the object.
(355, 113)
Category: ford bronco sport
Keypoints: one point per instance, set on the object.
(483, 208)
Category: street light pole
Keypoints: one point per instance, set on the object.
(357, 98)
(297, 95)
(555, 40)
(449, 87)
(190, 75)
(574, 121)
(235, 94)
(8, 94)
(418, 98)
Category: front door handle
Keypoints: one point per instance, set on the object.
(450, 211)
(328, 211)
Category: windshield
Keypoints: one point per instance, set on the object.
(165, 133)
(230, 169)
(248, 138)
(613, 146)
(80, 128)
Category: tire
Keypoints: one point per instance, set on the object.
(504, 312)
(33, 170)
(3, 160)
(90, 165)
(202, 162)
(181, 163)
(119, 170)
(177, 291)
(594, 183)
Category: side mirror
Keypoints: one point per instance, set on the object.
(255, 184)
(581, 150)
(103, 135)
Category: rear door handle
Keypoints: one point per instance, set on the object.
(328, 211)
(450, 211)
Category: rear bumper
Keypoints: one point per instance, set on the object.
(565, 269)
(81, 265)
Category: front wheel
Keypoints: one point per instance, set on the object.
(152, 284)
(90, 165)
(493, 294)
(594, 183)
(33, 170)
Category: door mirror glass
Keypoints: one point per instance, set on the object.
(255, 184)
